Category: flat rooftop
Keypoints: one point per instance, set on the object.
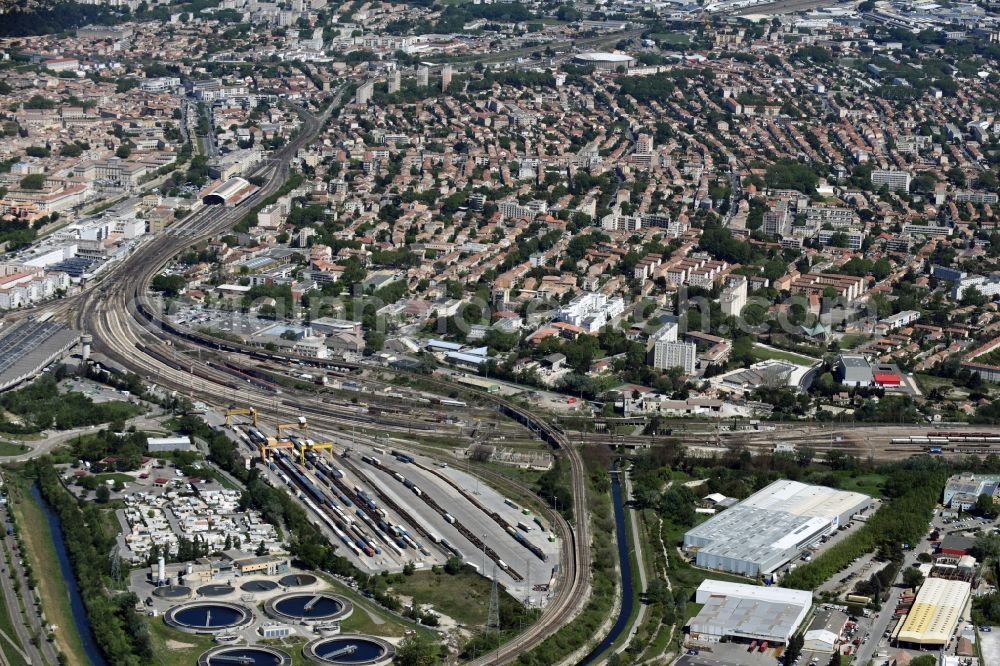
(771, 526)
(854, 361)
(770, 614)
(29, 346)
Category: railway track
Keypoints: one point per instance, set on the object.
(102, 310)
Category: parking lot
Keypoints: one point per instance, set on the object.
(96, 392)
(989, 643)
(861, 569)
(729, 654)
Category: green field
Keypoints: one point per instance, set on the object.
(441, 591)
(852, 340)
(928, 383)
(671, 38)
(767, 353)
(361, 620)
(173, 648)
(869, 484)
(12, 449)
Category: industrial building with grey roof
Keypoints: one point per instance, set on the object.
(747, 612)
(772, 527)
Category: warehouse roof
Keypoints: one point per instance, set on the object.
(765, 613)
(600, 56)
(854, 361)
(769, 527)
(935, 612)
(822, 636)
(805, 500)
(759, 592)
(957, 542)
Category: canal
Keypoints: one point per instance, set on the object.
(625, 562)
(79, 611)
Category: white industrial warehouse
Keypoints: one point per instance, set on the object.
(772, 527)
(747, 612)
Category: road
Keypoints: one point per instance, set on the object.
(212, 149)
(45, 446)
(155, 252)
(46, 653)
(881, 622)
(111, 314)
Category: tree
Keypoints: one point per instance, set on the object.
(986, 507)
(926, 660)
(418, 651)
(123, 151)
(103, 493)
(804, 455)
(912, 577)
(170, 285)
(34, 181)
(794, 648)
(881, 269)
(453, 566)
(985, 547)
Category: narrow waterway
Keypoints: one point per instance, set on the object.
(625, 563)
(79, 611)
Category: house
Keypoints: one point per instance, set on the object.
(555, 361)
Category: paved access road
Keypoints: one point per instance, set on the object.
(12, 570)
(881, 622)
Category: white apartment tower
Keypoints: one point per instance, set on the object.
(734, 296)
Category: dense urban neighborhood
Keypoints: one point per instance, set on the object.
(459, 331)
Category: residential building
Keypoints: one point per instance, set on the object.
(895, 180)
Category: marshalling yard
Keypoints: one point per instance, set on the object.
(385, 508)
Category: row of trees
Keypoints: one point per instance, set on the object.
(913, 489)
(120, 634)
(604, 557)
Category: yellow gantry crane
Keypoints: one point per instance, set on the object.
(312, 446)
(272, 444)
(241, 411)
(301, 426)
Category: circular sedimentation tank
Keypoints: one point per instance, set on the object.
(350, 650)
(259, 585)
(172, 592)
(208, 617)
(245, 656)
(297, 580)
(309, 607)
(215, 590)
